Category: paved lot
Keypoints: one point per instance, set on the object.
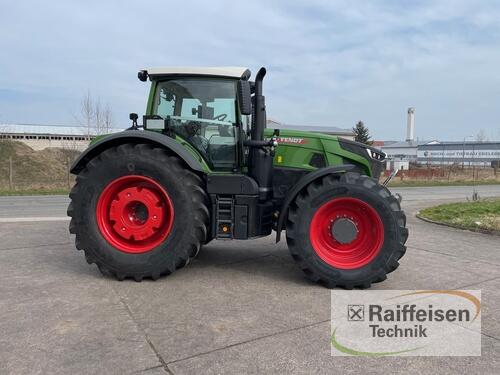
(241, 307)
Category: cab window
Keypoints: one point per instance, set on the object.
(203, 112)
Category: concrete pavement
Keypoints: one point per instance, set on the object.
(240, 307)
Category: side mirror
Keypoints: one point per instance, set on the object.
(244, 97)
(133, 117)
(142, 75)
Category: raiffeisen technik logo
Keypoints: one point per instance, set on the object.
(425, 322)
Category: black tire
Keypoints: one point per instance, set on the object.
(352, 185)
(185, 190)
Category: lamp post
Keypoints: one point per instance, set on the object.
(475, 195)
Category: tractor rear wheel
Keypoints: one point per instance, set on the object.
(139, 212)
(346, 231)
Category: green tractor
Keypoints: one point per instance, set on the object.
(203, 166)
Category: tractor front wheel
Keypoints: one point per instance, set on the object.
(346, 231)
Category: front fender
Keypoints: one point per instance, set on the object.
(301, 184)
(136, 136)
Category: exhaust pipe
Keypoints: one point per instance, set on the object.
(260, 160)
(259, 123)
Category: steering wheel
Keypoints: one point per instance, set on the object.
(220, 117)
(192, 128)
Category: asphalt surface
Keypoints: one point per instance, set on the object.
(240, 307)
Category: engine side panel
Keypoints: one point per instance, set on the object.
(303, 150)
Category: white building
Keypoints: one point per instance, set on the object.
(459, 153)
(39, 137)
(401, 154)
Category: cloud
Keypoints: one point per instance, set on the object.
(329, 62)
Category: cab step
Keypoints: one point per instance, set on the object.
(224, 217)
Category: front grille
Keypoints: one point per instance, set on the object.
(377, 167)
(375, 157)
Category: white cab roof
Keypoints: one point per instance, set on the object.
(222, 71)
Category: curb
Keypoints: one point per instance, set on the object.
(475, 230)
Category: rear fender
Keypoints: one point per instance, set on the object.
(301, 184)
(136, 136)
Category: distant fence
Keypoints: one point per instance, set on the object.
(448, 173)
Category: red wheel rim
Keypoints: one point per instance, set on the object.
(134, 214)
(354, 249)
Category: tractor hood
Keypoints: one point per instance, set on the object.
(312, 150)
(288, 136)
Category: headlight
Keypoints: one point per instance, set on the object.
(362, 149)
(377, 155)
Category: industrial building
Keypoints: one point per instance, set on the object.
(459, 153)
(433, 152)
(401, 154)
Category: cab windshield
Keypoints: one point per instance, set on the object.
(203, 112)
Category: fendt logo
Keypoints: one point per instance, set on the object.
(423, 323)
(292, 140)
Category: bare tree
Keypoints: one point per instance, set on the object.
(95, 118)
(70, 146)
(87, 112)
(107, 119)
(481, 136)
(98, 117)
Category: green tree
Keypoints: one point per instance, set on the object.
(362, 134)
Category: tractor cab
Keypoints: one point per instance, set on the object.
(211, 110)
(200, 106)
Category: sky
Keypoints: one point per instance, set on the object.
(328, 62)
